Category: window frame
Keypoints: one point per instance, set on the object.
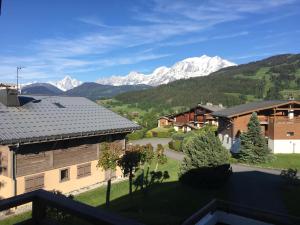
(68, 175)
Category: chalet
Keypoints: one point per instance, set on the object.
(193, 118)
(279, 120)
(53, 142)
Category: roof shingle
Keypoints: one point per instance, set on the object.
(50, 117)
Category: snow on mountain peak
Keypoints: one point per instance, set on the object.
(189, 67)
(66, 83)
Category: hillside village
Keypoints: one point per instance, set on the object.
(112, 115)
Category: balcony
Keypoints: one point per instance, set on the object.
(284, 120)
(57, 209)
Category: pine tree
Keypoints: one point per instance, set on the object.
(254, 147)
(203, 150)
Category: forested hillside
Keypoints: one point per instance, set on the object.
(276, 77)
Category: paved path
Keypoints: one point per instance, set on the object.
(251, 186)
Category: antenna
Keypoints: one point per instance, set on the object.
(18, 68)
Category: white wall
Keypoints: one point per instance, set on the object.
(284, 146)
(225, 140)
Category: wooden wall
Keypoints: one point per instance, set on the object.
(38, 158)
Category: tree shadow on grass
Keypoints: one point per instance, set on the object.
(164, 203)
(173, 202)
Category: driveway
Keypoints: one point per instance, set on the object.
(250, 186)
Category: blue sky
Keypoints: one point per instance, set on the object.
(92, 39)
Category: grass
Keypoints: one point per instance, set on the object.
(284, 161)
(16, 219)
(169, 202)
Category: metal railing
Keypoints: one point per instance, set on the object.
(43, 200)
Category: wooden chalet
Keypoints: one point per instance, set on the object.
(279, 120)
(54, 142)
(193, 118)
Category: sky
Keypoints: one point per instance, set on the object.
(92, 39)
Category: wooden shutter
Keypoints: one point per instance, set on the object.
(84, 170)
(34, 182)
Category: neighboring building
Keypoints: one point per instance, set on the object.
(53, 142)
(279, 119)
(191, 119)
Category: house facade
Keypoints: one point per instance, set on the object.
(191, 119)
(279, 120)
(54, 143)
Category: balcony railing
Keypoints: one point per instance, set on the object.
(50, 208)
(285, 119)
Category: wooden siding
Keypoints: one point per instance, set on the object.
(4, 163)
(43, 161)
(38, 158)
(75, 155)
(33, 183)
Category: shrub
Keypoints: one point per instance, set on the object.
(139, 134)
(206, 160)
(175, 145)
(290, 176)
(211, 177)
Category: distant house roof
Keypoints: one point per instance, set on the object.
(251, 107)
(46, 118)
(209, 107)
(213, 108)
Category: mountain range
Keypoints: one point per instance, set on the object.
(276, 77)
(187, 68)
(111, 86)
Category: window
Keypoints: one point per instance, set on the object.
(34, 182)
(290, 133)
(64, 175)
(84, 170)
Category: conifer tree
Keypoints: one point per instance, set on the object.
(254, 147)
(203, 150)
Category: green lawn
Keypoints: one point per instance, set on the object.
(165, 203)
(284, 161)
(16, 219)
(169, 202)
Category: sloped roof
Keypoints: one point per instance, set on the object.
(213, 108)
(42, 118)
(250, 107)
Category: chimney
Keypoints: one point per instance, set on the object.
(221, 105)
(209, 104)
(9, 96)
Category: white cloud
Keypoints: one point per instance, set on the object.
(164, 21)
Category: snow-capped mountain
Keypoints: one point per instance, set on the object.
(66, 84)
(190, 67)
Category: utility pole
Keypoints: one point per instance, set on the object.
(18, 68)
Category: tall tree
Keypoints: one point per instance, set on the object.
(254, 147)
(108, 161)
(129, 163)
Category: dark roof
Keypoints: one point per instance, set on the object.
(213, 108)
(250, 107)
(42, 118)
